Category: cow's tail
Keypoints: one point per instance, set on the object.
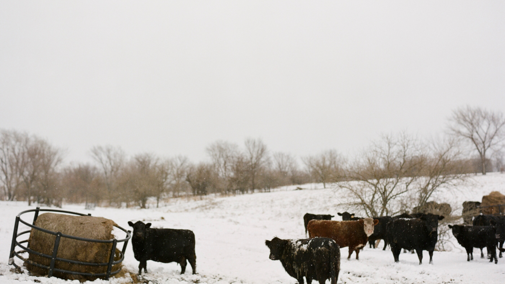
(334, 262)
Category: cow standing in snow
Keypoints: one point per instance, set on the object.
(309, 216)
(352, 234)
(481, 237)
(317, 258)
(413, 234)
(163, 245)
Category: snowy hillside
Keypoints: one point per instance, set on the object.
(231, 233)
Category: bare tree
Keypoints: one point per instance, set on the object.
(28, 166)
(442, 165)
(482, 128)
(400, 172)
(178, 171)
(256, 155)
(325, 167)
(382, 174)
(82, 183)
(139, 177)
(223, 155)
(47, 190)
(285, 166)
(110, 160)
(12, 161)
(201, 178)
(240, 179)
(163, 180)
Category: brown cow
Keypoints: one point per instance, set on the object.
(352, 234)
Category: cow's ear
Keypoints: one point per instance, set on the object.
(440, 218)
(148, 225)
(339, 214)
(267, 242)
(450, 226)
(130, 223)
(375, 222)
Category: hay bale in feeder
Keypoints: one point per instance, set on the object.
(96, 228)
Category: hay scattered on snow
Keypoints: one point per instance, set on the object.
(96, 228)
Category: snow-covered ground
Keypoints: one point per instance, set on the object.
(231, 233)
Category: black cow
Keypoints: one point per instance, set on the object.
(317, 258)
(404, 215)
(308, 216)
(379, 231)
(413, 234)
(163, 245)
(498, 222)
(346, 216)
(471, 237)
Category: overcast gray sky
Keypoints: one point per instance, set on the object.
(172, 77)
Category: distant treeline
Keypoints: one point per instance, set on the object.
(33, 170)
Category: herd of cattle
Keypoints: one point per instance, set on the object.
(318, 257)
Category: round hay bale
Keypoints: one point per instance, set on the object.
(95, 228)
(494, 198)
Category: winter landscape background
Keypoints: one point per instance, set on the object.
(231, 233)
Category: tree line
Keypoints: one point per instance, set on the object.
(32, 170)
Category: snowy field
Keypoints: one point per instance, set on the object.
(231, 233)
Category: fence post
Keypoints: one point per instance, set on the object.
(125, 243)
(13, 245)
(55, 251)
(36, 215)
(111, 259)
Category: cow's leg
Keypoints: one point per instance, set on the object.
(396, 253)
(481, 253)
(385, 244)
(142, 264)
(357, 253)
(192, 262)
(333, 280)
(350, 252)
(469, 253)
(420, 255)
(300, 279)
(491, 251)
(183, 264)
(501, 247)
(430, 252)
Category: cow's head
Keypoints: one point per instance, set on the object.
(346, 216)
(276, 247)
(369, 224)
(431, 221)
(456, 230)
(139, 229)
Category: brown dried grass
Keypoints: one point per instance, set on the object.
(96, 228)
